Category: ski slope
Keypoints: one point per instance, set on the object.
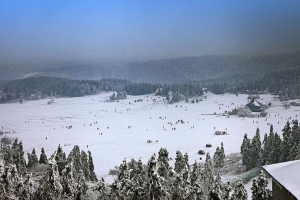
(89, 116)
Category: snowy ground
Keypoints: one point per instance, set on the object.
(90, 116)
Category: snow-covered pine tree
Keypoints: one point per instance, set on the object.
(245, 150)
(93, 176)
(81, 186)
(260, 189)
(265, 150)
(163, 163)
(115, 191)
(181, 185)
(6, 189)
(186, 160)
(179, 162)
(227, 190)
(270, 144)
(286, 142)
(43, 157)
(84, 164)
(15, 155)
(101, 188)
(155, 184)
(32, 158)
(217, 158)
(196, 189)
(208, 175)
(222, 155)
(138, 180)
(276, 150)
(49, 186)
(216, 192)
(124, 179)
(294, 140)
(298, 152)
(60, 158)
(68, 182)
(239, 192)
(255, 151)
(196, 172)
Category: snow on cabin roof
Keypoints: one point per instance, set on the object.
(256, 103)
(287, 174)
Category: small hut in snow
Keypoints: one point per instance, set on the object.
(255, 106)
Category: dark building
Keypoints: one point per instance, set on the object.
(255, 106)
(285, 180)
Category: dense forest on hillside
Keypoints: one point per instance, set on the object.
(226, 68)
(42, 87)
(284, 83)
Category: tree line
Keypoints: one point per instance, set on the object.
(66, 177)
(285, 83)
(42, 87)
(272, 149)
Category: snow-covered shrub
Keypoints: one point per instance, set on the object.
(38, 168)
(208, 145)
(114, 171)
(6, 140)
(218, 133)
(50, 102)
(263, 114)
(286, 105)
(253, 97)
(244, 112)
(201, 152)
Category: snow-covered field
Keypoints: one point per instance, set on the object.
(103, 127)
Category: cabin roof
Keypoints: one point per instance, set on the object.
(287, 174)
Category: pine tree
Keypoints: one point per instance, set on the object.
(216, 193)
(239, 192)
(196, 173)
(49, 185)
(259, 188)
(60, 158)
(270, 145)
(286, 142)
(265, 151)
(227, 190)
(294, 140)
(255, 151)
(245, 150)
(155, 188)
(208, 174)
(219, 157)
(84, 165)
(43, 157)
(222, 155)
(68, 182)
(276, 150)
(137, 178)
(179, 162)
(101, 188)
(163, 163)
(92, 173)
(186, 160)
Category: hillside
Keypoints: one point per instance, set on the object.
(177, 70)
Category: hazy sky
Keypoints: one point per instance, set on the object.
(62, 30)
